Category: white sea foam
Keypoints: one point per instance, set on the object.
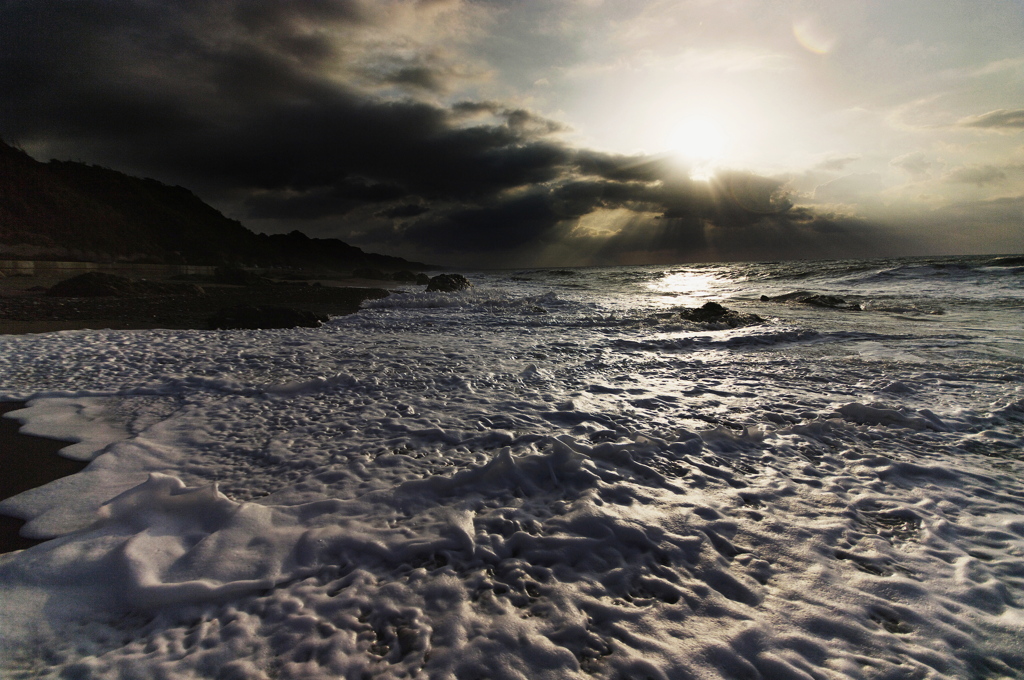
(475, 488)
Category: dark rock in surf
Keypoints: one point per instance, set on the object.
(813, 299)
(712, 313)
(252, 318)
(830, 301)
(422, 280)
(448, 283)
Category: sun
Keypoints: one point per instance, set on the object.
(699, 142)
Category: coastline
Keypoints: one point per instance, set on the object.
(25, 308)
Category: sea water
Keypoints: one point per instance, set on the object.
(550, 475)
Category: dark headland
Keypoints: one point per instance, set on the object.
(63, 218)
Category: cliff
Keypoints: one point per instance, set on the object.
(74, 211)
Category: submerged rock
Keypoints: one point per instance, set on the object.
(714, 313)
(832, 301)
(250, 317)
(448, 283)
(814, 299)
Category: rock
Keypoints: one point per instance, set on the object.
(710, 311)
(422, 280)
(795, 296)
(814, 299)
(404, 275)
(237, 276)
(448, 283)
(832, 301)
(715, 314)
(92, 284)
(249, 317)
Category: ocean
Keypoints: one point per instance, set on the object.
(554, 474)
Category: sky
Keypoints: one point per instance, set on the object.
(480, 133)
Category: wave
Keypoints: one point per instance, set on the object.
(854, 272)
(481, 300)
(748, 337)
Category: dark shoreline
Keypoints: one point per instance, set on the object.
(26, 309)
(27, 462)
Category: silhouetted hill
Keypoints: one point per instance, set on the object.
(73, 211)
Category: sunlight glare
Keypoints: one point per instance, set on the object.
(701, 143)
(687, 287)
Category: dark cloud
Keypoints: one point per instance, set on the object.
(403, 210)
(836, 164)
(640, 168)
(975, 174)
(850, 188)
(675, 211)
(913, 163)
(985, 226)
(1000, 119)
(262, 105)
(344, 196)
(799, 233)
(418, 76)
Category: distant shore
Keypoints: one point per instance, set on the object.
(25, 308)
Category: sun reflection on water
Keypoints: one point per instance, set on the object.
(685, 288)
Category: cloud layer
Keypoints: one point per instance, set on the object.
(369, 121)
(1000, 119)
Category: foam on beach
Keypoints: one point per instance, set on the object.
(466, 487)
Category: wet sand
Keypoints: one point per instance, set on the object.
(25, 308)
(27, 461)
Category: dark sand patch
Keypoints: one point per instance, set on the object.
(27, 461)
(26, 309)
